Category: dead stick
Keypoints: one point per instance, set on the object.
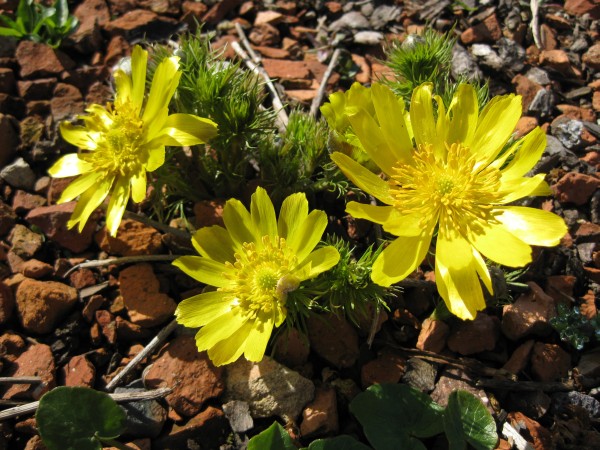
(314, 107)
(152, 345)
(20, 380)
(119, 398)
(119, 261)
(282, 117)
(246, 43)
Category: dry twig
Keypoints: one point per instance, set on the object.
(314, 107)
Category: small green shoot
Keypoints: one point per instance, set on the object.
(79, 418)
(39, 23)
(275, 438)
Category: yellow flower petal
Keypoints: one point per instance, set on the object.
(205, 270)
(164, 83)
(78, 136)
(390, 115)
(404, 224)
(294, 211)
(527, 155)
(377, 214)
(456, 277)
(138, 186)
(400, 259)
(201, 309)
(482, 270)
(495, 242)
(263, 214)
(79, 185)
(89, 201)
(218, 329)
(214, 243)
(533, 226)
(305, 237)
(422, 118)
(229, 350)
(186, 129)
(69, 166)
(464, 111)
(495, 125)
(156, 158)
(139, 61)
(123, 86)
(319, 261)
(517, 188)
(239, 223)
(363, 178)
(117, 204)
(372, 140)
(256, 343)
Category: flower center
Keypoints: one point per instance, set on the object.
(262, 277)
(120, 136)
(454, 192)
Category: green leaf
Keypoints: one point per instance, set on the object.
(273, 438)
(10, 32)
(467, 420)
(395, 415)
(62, 12)
(77, 418)
(338, 443)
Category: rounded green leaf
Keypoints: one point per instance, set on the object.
(467, 420)
(343, 442)
(394, 416)
(76, 418)
(273, 438)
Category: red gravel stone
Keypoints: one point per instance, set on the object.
(38, 361)
(320, 417)
(475, 336)
(529, 315)
(333, 339)
(133, 238)
(575, 188)
(433, 335)
(79, 371)
(549, 362)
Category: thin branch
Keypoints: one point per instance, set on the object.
(20, 380)
(314, 107)
(150, 348)
(282, 117)
(119, 261)
(246, 43)
(535, 26)
(119, 398)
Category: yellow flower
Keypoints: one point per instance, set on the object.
(125, 140)
(457, 182)
(254, 262)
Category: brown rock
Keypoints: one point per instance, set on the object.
(52, 220)
(7, 303)
(25, 243)
(576, 113)
(209, 212)
(596, 101)
(79, 371)
(519, 358)
(433, 335)
(591, 58)
(475, 336)
(487, 31)
(94, 304)
(38, 60)
(36, 361)
(452, 379)
(191, 374)
(139, 22)
(549, 362)
(82, 278)
(575, 188)
(291, 348)
(24, 202)
(128, 331)
(320, 417)
(560, 287)
(388, 367)
(7, 218)
(9, 138)
(268, 16)
(12, 346)
(271, 52)
(36, 269)
(291, 73)
(133, 238)
(527, 89)
(333, 339)
(219, 10)
(35, 443)
(532, 431)
(107, 324)
(66, 101)
(556, 59)
(588, 306)
(525, 125)
(529, 315)
(304, 96)
(580, 7)
(193, 10)
(37, 89)
(41, 304)
(206, 428)
(91, 14)
(140, 291)
(548, 36)
(117, 48)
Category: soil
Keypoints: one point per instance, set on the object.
(82, 326)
